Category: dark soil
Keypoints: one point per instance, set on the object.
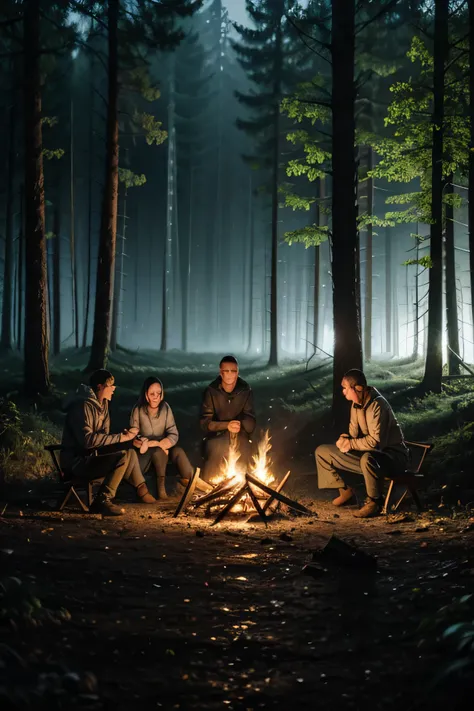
(175, 614)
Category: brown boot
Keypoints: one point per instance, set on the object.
(345, 495)
(161, 487)
(144, 496)
(372, 507)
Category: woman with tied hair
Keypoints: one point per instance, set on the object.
(157, 428)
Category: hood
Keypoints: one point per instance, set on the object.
(83, 393)
(240, 385)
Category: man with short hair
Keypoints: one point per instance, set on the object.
(86, 432)
(227, 414)
(373, 447)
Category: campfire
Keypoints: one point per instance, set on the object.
(233, 489)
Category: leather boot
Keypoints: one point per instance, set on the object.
(161, 487)
(345, 495)
(144, 495)
(102, 504)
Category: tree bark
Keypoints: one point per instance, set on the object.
(36, 332)
(451, 291)
(347, 339)
(6, 339)
(368, 264)
(108, 227)
(434, 355)
(56, 320)
(273, 358)
(72, 240)
(388, 291)
(471, 157)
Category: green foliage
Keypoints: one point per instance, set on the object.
(139, 79)
(425, 262)
(20, 606)
(131, 179)
(310, 235)
(154, 134)
(406, 154)
(51, 154)
(23, 437)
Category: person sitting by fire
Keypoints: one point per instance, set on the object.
(87, 432)
(154, 419)
(374, 446)
(227, 415)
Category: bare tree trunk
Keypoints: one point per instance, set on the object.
(451, 290)
(388, 291)
(368, 264)
(89, 210)
(56, 320)
(321, 222)
(170, 212)
(75, 304)
(118, 295)
(36, 333)
(434, 355)
(273, 359)
(471, 156)
(108, 228)
(6, 339)
(21, 238)
(347, 340)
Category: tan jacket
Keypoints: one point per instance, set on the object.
(374, 426)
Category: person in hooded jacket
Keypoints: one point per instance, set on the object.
(87, 432)
(227, 413)
(373, 447)
(153, 418)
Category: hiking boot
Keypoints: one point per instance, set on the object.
(144, 496)
(372, 507)
(345, 495)
(161, 488)
(104, 506)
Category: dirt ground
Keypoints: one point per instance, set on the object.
(176, 614)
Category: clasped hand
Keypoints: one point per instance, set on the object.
(343, 443)
(234, 426)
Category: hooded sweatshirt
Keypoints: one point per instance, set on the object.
(87, 426)
(374, 426)
(221, 406)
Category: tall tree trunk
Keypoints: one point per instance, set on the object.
(75, 301)
(20, 267)
(347, 340)
(170, 212)
(56, 320)
(451, 291)
(321, 222)
(250, 262)
(278, 67)
(416, 327)
(434, 355)
(388, 291)
(471, 157)
(108, 227)
(36, 332)
(89, 208)
(368, 264)
(119, 278)
(6, 339)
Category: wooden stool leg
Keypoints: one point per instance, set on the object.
(386, 505)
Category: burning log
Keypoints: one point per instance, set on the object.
(232, 487)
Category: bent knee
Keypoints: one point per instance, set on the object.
(322, 450)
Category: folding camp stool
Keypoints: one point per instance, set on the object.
(72, 484)
(409, 479)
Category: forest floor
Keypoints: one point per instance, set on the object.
(177, 614)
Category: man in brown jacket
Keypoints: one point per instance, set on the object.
(226, 412)
(373, 447)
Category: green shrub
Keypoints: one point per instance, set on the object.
(23, 436)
